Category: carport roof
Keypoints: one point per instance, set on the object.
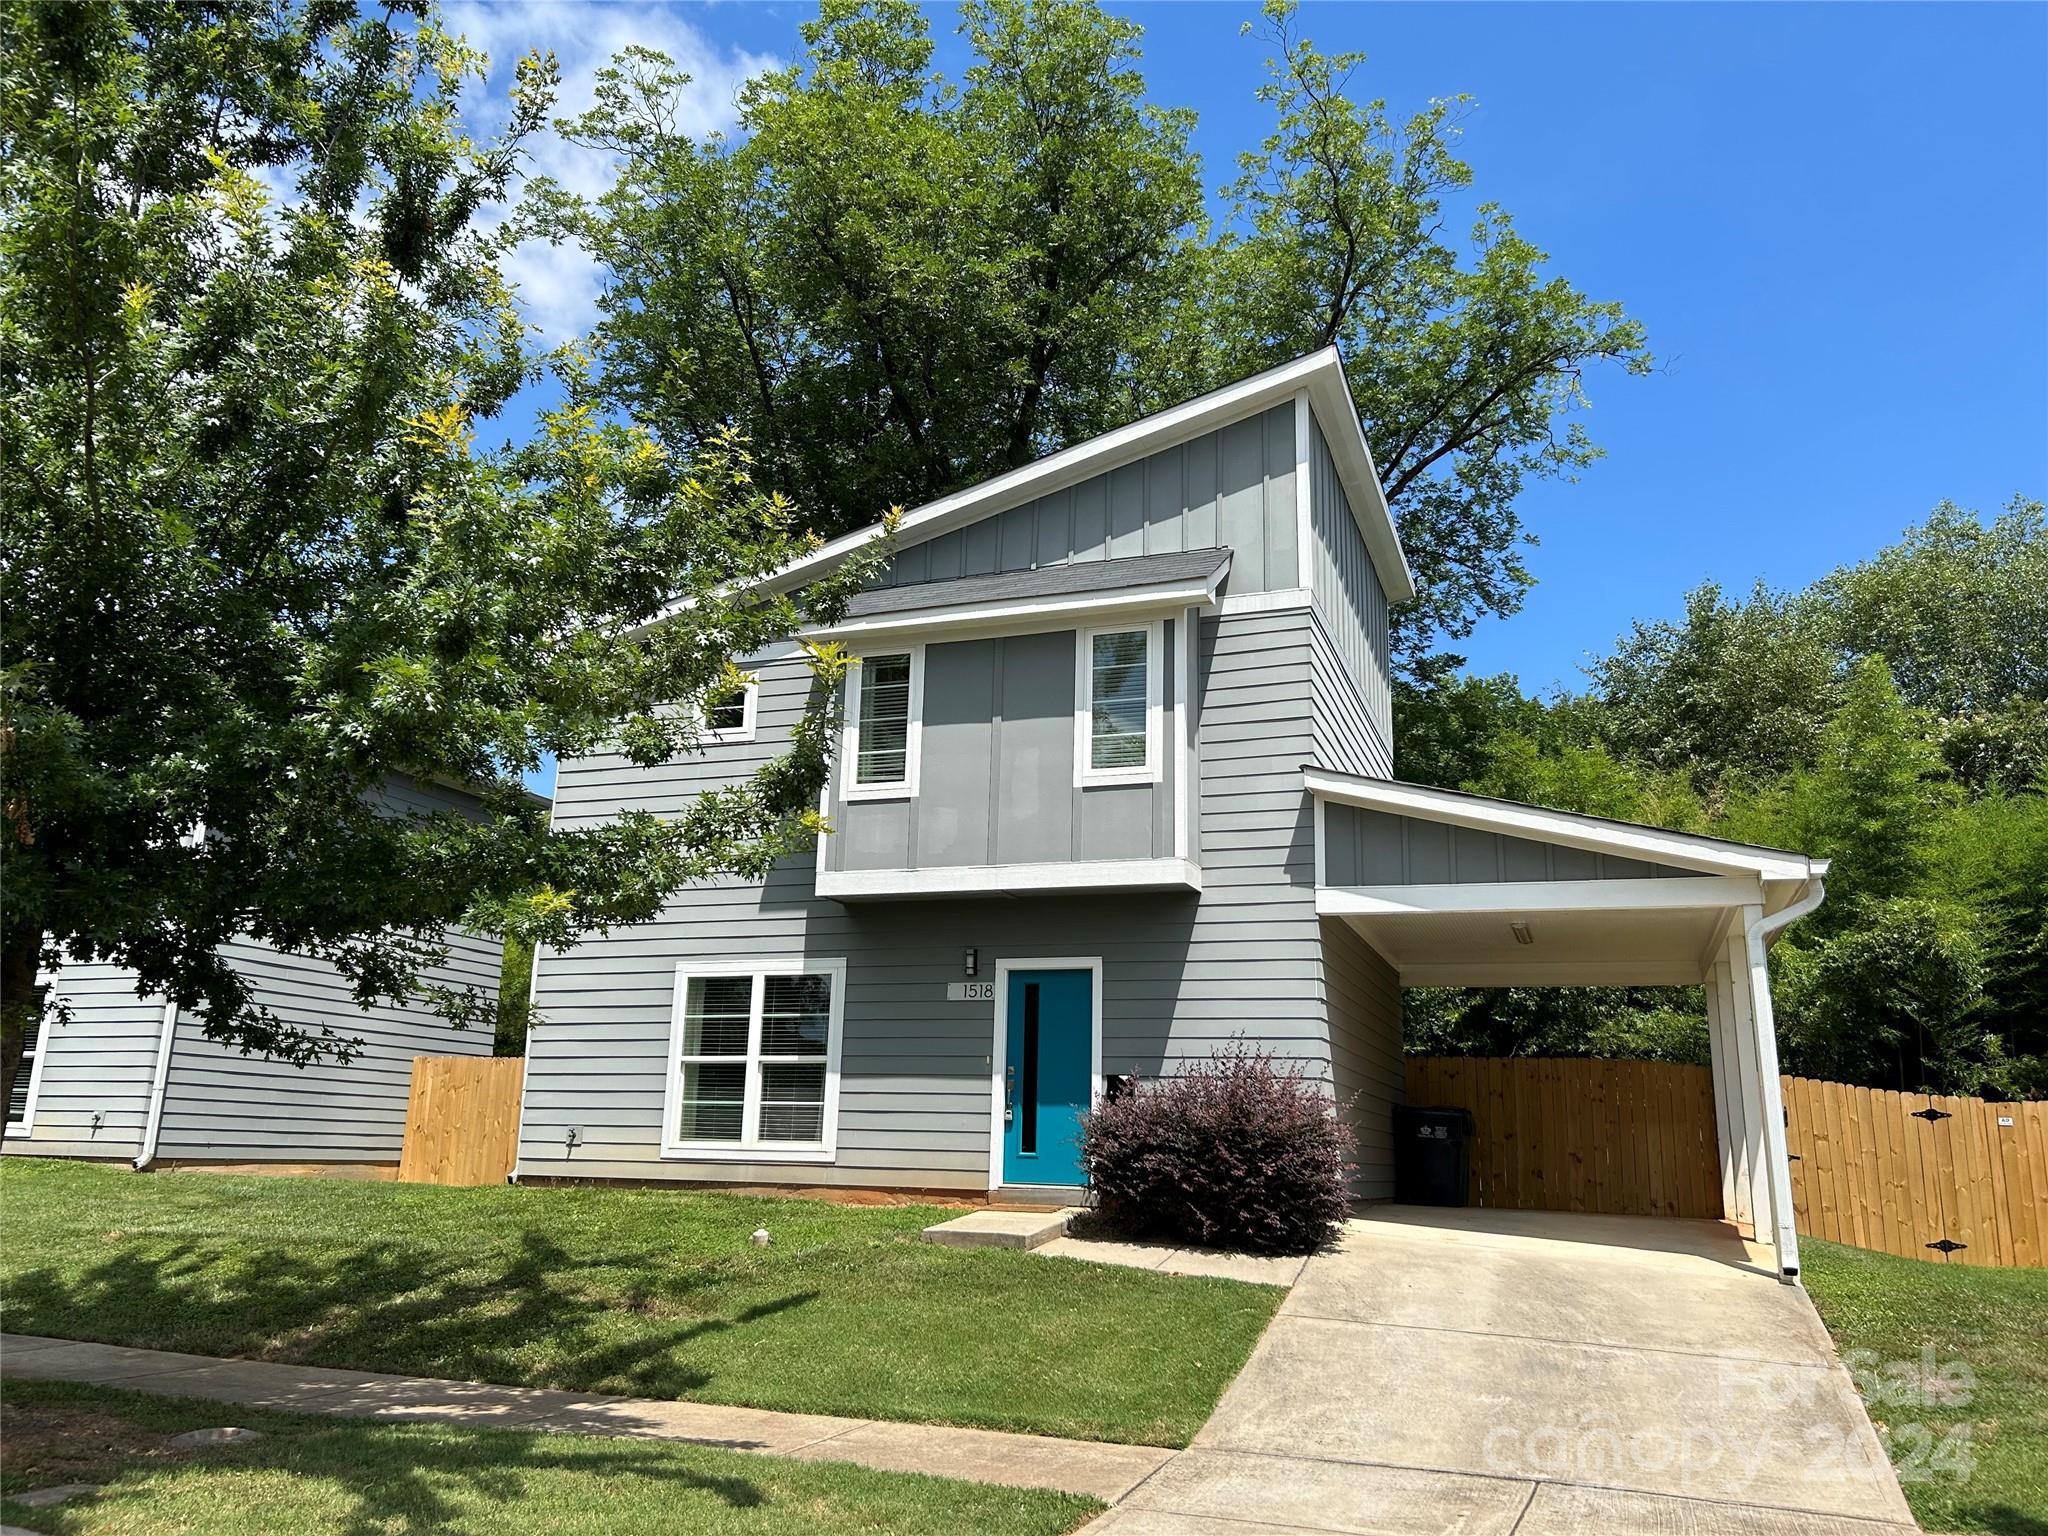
(1571, 829)
(1653, 910)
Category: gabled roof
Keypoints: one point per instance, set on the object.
(1320, 376)
(1598, 834)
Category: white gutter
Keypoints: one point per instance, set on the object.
(1816, 893)
(156, 1091)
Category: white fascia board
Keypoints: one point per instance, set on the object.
(1330, 397)
(1320, 373)
(1648, 894)
(1004, 879)
(1151, 601)
(1566, 828)
(1555, 973)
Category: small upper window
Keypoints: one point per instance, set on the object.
(21, 1102)
(883, 732)
(1117, 721)
(729, 711)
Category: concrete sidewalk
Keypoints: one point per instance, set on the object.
(1101, 1471)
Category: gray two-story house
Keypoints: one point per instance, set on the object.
(1116, 787)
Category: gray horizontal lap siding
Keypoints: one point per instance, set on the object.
(220, 1104)
(1365, 847)
(1365, 1050)
(1181, 974)
(1233, 486)
(996, 778)
(99, 1058)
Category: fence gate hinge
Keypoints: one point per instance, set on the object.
(1930, 1114)
(1947, 1246)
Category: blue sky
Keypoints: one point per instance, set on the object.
(1833, 220)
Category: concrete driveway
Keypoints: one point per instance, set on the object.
(1491, 1372)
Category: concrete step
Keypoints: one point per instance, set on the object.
(1001, 1229)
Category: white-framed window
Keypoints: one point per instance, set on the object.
(884, 720)
(1117, 692)
(21, 1099)
(754, 1060)
(729, 712)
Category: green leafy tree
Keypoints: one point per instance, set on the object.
(1888, 999)
(1746, 684)
(253, 561)
(894, 283)
(1467, 362)
(1959, 610)
(1870, 803)
(898, 284)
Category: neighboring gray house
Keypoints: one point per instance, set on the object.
(115, 1075)
(1116, 787)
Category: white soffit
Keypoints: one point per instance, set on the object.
(1566, 828)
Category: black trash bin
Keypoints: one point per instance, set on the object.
(1432, 1155)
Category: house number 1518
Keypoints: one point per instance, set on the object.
(970, 991)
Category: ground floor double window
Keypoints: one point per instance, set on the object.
(754, 1060)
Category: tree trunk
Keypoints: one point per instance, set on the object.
(20, 946)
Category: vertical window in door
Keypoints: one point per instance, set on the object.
(1027, 1128)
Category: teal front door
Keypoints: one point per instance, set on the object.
(1048, 1075)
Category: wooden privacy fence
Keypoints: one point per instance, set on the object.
(1629, 1138)
(462, 1120)
(1957, 1181)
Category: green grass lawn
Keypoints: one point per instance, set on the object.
(1884, 1312)
(654, 1293)
(356, 1479)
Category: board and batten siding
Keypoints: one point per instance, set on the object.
(1365, 1050)
(1355, 724)
(1364, 847)
(97, 1055)
(996, 778)
(221, 1105)
(1181, 974)
(1232, 487)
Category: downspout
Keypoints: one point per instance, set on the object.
(156, 1091)
(1757, 932)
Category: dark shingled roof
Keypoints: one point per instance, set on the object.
(1132, 573)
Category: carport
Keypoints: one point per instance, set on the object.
(1453, 889)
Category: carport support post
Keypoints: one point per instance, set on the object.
(1777, 1153)
(1727, 1098)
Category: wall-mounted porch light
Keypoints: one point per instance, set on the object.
(968, 964)
(1521, 933)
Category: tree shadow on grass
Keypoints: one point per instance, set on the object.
(533, 1317)
(419, 1481)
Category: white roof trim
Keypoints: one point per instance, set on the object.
(1568, 828)
(1321, 374)
(1657, 893)
(1159, 598)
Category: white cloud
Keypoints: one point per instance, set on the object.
(558, 284)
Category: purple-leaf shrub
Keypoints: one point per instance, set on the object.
(1232, 1152)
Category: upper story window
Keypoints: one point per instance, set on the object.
(754, 1068)
(1117, 713)
(729, 711)
(884, 701)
